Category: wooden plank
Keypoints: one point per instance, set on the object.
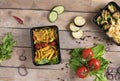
(19, 53)
(89, 39)
(70, 5)
(12, 74)
(33, 18)
(22, 37)
(59, 72)
(97, 5)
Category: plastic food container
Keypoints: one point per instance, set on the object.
(108, 19)
(45, 45)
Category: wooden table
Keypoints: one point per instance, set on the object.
(34, 13)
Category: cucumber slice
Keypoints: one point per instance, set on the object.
(73, 27)
(59, 9)
(79, 21)
(77, 34)
(53, 16)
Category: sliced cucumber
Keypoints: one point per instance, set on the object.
(59, 9)
(79, 21)
(53, 16)
(73, 27)
(77, 34)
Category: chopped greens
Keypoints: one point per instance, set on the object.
(6, 47)
(54, 60)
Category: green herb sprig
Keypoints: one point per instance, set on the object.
(6, 47)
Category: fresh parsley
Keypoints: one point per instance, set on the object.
(6, 47)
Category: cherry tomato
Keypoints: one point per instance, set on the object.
(94, 64)
(82, 72)
(37, 46)
(53, 43)
(44, 44)
(87, 53)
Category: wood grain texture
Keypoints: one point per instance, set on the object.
(60, 72)
(15, 61)
(33, 18)
(37, 74)
(22, 37)
(34, 13)
(47, 75)
(70, 5)
(26, 52)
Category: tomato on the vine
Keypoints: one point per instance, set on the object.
(94, 64)
(87, 53)
(82, 72)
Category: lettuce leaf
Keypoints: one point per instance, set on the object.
(100, 77)
(98, 50)
(43, 61)
(54, 60)
(77, 61)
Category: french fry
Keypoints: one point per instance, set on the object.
(53, 47)
(36, 59)
(45, 48)
(47, 53)
(52, 53)
(39, 54)
(49, 50)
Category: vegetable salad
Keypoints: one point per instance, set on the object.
(89, 62)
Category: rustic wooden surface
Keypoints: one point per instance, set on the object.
(34, 13)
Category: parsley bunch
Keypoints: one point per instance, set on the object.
(6, 47)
